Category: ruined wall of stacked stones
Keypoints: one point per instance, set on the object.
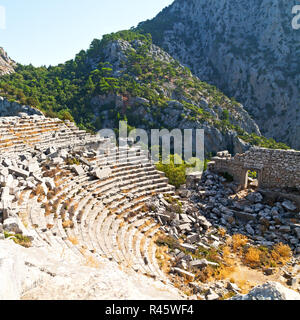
(234, 168)
(275, 168)
(280, 168)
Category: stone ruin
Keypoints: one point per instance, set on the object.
(64, 188)
(275, 168)
(98, 199)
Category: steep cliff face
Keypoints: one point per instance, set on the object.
(6, 64)
(248, 49)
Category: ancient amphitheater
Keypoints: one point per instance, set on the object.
(69, 191)
(102, 212)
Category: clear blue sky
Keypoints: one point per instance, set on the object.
(44, 32)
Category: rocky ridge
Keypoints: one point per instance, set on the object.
(8, 108)
(6, 64)
(185, 110)
(125, 75)
(251, 53)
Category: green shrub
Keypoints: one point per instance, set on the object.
(18, 239)
(176, 173)
(252, 174)
(65, 115)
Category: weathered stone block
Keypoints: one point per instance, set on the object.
(190, 276)
(19, 172)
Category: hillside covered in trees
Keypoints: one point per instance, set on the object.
(125, 76)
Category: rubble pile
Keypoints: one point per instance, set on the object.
(193, 220)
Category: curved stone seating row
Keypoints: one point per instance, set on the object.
(106, 217)
(103, 217)
(20, 134)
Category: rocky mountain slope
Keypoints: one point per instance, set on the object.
(6, 64)
(247, 49)
(125, 76)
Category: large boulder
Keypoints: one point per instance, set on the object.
(44, 273)
(12, 271)
(269, 291)
(78, 170)
(289, 205)
(102, 173)
(19, 172)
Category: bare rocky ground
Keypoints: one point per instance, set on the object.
(204, 230)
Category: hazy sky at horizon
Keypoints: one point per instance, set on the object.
(52, 32)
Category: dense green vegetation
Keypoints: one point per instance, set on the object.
(176, 173)
(18, 239)
(264, 142)
(66, 91)
(176, 169)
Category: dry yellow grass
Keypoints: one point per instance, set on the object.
(163, 258)
(252, 257)
(21, 198)
(122, 224)
(73, 240)
(51, 173)
(89, 260)
(222, 232)
(50, 195)
(281, 253)
(31, 195)
(146, 224)
(24, 217)
(39, 190)
(40, 198)
(224, 272)
(144, 208)
(73, 208)
(226, 255)
(47, 209)
(207, 274)
(238, 241)
(55, 205)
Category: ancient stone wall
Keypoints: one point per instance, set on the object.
(275, 168)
